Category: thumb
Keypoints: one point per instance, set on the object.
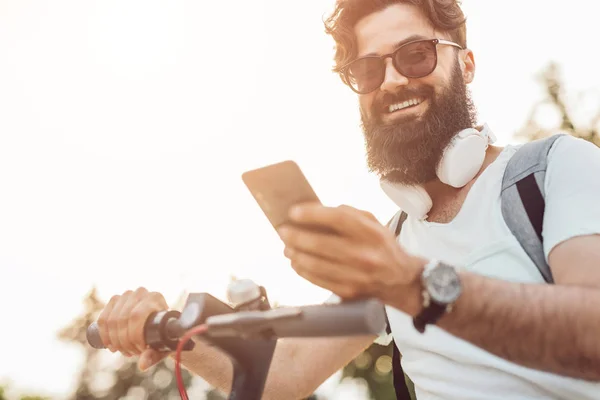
(150, 357)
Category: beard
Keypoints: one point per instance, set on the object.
(408, 152)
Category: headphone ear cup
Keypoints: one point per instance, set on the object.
(462, 160)
(413, 200)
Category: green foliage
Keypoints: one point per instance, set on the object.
(33, 398)
(374, 366)
(4, 395)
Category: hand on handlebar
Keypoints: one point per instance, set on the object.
(132, 320)
(121, 324)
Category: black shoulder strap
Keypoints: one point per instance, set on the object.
(400, 378)
(522, 199)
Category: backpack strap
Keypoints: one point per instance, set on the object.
(401, 380)
(522, 199)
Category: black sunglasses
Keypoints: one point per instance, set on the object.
(413, 60)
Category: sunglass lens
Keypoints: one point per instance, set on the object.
(416, 60)
(366, 74)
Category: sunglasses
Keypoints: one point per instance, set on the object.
(413, 60)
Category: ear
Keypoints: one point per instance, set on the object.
(467, 64)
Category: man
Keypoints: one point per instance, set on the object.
(508, 334)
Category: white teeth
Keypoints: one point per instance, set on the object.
(400, 106)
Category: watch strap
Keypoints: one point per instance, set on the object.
(428, 315)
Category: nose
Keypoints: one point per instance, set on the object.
(393, 79)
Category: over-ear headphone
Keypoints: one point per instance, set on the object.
(460, 163)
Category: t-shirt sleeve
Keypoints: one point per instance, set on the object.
(572, 188)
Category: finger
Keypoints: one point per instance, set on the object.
(103, 323)
(149, 358)
(344, 219)
(342, 250)
(123, 323)
(114, 322)
(367, 214)
(332, 247)
(154, 302)
(320, 270)
(343, 290)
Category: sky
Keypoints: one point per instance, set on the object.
(125, 126)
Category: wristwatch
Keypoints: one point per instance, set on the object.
(441, 288)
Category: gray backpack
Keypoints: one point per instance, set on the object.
(522, 202)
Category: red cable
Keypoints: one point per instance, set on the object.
(199, 330)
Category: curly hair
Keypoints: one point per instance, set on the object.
(445, 15)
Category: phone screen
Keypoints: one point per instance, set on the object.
(278, 187)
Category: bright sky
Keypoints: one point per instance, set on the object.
(125, 126)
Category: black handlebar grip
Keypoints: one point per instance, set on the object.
(161, 332)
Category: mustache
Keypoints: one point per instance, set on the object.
(382, 103)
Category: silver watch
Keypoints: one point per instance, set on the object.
(441, 288)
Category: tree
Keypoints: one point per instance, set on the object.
(4, 395)
(374, 366)
(556, 101)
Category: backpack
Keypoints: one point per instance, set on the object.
(522, 203)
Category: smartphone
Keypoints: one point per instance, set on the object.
(278, 187)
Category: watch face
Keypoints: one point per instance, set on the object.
(443, 284)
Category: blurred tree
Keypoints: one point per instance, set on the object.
(4, 396)
(374, 366)
(557, 103)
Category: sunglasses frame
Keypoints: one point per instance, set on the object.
(344, 70)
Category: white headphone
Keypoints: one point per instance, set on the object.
(460, 163)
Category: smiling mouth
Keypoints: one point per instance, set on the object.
(392, 108)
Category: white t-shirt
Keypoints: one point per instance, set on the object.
(443, 366)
